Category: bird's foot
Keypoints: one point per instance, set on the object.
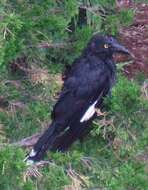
(99, 113)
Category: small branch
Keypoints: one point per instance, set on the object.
(33, 170)
(92, 9)
(48, 45)
(28, 141)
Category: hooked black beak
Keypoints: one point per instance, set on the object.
(120, 49)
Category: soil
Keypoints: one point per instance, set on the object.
(135, 38)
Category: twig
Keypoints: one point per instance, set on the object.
(87, 162)
(33, 170)
(90, 9)
(28, 141)
(51, 45)
(77, 179)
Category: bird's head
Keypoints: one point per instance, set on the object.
(105, 46)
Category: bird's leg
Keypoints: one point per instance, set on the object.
(99, 113)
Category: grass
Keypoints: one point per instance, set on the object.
(110, 158)
(114, 155)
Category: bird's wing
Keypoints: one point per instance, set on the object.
(80, 96)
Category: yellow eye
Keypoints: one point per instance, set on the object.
(106, 46)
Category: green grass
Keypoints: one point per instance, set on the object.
(112, 157)
(100, 161)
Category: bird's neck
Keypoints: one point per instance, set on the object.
(99, 54)
(105, 57)
(103, 61)
(111, 65)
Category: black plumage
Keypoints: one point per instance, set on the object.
(86, 83)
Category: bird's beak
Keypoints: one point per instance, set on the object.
(120, 49)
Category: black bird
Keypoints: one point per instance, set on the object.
(88, 81)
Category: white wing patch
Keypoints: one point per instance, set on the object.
(89, 113)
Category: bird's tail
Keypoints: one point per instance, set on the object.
(44, 143)
(76, 131)
(58, 138)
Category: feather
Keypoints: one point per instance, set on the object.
(89, 79)
(89, 113)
